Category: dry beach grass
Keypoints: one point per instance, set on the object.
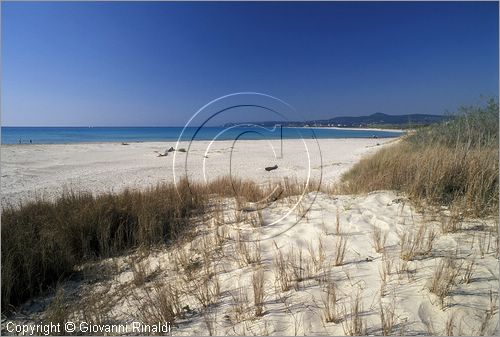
(42, 241)
(454, 163)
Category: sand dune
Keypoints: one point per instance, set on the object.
(212, 275)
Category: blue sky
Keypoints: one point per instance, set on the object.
(155, 64)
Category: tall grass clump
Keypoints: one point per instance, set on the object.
(42, 241)
(453, 163)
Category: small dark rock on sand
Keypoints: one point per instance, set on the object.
(270, 168)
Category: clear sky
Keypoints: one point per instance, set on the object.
(154, 64)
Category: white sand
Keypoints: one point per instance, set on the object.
(44, 170)
(300, 310)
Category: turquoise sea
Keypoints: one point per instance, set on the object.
(60, 135)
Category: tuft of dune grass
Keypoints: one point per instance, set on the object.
(454, 163)
(43, 241)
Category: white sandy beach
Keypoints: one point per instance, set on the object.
(44, 170)
(309, 246)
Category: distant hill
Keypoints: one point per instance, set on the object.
(379, 118)
(374, 120)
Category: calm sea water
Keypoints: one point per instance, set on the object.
(58, 135)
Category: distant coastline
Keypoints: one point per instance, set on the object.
(359, 129)
(372, 122)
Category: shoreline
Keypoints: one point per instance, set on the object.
(48, 140)
(361, 129)
(183, 141)
(350, 129)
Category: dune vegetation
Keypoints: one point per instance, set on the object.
(44, 240)
(453, 163)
